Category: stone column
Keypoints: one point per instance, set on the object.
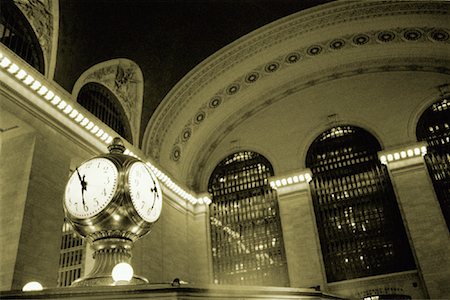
(300, 236)
(428, 233)
(34, 173)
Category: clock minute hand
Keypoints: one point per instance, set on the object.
(83, 186)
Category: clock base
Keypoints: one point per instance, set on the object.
(108, 253)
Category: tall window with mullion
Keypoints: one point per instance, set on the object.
(359, 223)
(17, 34)
(246, 235)
(102, 103)
(434, 128)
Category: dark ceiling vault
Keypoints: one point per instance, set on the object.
(166, 38)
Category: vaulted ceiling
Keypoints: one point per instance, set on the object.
(165, 38)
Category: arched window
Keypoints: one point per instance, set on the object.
(433, 127)
(359, 223)
(104, 105)
(18, 35)
(246, 236)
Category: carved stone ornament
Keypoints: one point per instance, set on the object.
(39, 14)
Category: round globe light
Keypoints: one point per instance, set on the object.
(32, 286)
(122, 272)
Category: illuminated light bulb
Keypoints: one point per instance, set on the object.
(36, 84)
(74, 113)
(32, 286)
(278, 182)
(423, 149)
(131, 154)
(403, 154)
(390, 157)
(200, 201)
(28, 80)
(116, 217)
(126, 152)
(62, 104)
(56, 100)
(416, 151)
(89, 125)
(104, 136)
(68, 109)
(13, 68)
(308, 177)
(383, 159)
(272, 184)
(122, 272)
(109, 140)
(42, 90)
(289, 180)
(5, 62)
(283, 181)
(301, 177)
(295, 178)
(95, 129)
(21, 75)
(99, 133)
(84, 122)
(396, 156)
(49, 95)
(410, 152)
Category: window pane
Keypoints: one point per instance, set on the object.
(103, 104)
(246, 236)
(359, 223)
(433, 127)
(17, 34)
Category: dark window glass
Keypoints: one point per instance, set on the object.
(71, 256)
(102, 103)
(433, 127)
(17, 34)
(360, 227)
(246, 235)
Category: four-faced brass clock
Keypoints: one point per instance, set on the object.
(112, 200)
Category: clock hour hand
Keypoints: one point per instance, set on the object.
(83, 185)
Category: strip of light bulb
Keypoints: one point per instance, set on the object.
(290, 180)
(403, 154)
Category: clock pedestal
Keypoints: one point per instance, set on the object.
(108, 253)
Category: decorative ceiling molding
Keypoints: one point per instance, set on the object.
(383, 37)
(124, 79)
(202, 155)
(281, 31)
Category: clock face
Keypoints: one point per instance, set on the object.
(145, 192)
(91, 187)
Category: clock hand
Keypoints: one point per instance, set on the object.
(83, 186)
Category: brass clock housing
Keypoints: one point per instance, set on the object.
(113, 230)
